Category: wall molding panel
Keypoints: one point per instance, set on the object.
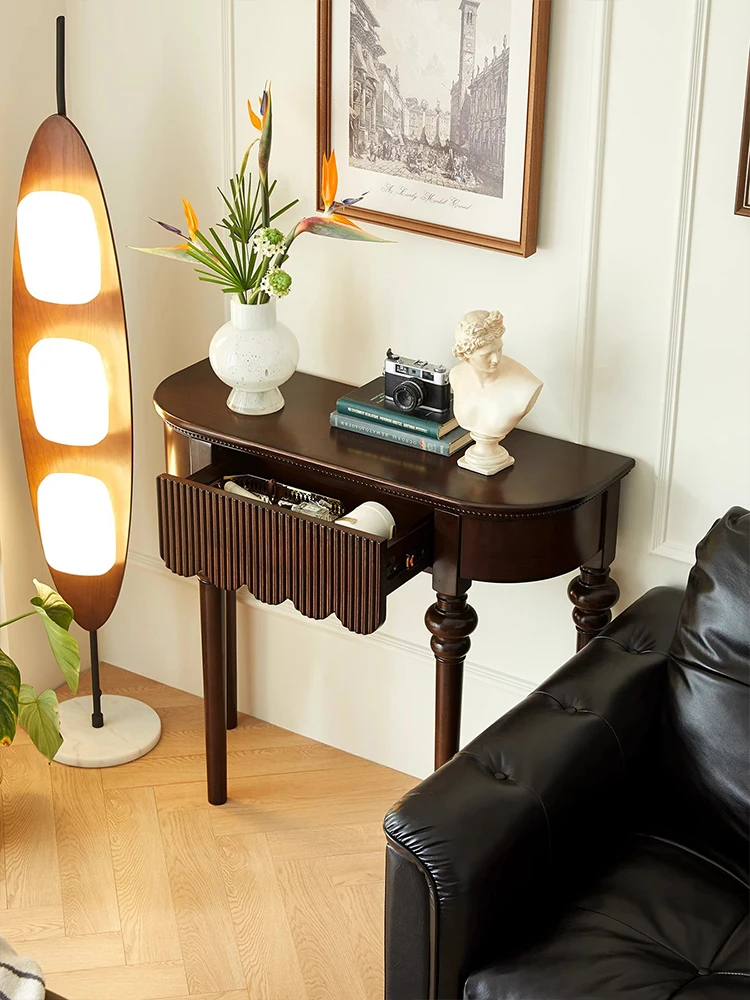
(584, 352)
(677, 552)
(660, 544)
(228, 89)
(228, 99)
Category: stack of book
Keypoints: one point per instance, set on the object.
(365, 411)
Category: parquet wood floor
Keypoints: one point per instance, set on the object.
(125, 883)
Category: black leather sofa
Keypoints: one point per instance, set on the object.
(593, 843)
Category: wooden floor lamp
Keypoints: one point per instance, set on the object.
(72, 375)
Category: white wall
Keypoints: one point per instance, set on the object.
(633, 311)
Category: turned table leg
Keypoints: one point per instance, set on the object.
(214, 690)
(593, 593)
(230, 628)
(451, 620)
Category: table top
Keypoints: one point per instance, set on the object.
(549, 474)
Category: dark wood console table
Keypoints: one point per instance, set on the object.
(555, 510)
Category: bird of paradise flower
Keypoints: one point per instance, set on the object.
(248, 260)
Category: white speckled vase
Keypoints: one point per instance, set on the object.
(254, 355)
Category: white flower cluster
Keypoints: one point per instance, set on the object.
(276, 283)
(267, 242)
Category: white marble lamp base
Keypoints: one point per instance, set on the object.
(130, 730)
(486, 457)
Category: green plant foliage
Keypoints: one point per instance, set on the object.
(171, 252)
(59, 610)
(10, 682)
(19, 702)
(240, 258)
(38, 714)
(54, 612)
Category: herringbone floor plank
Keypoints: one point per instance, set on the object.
(141, 877)
(125, 883)
(269, 958)
(83, 852)
(32, 873)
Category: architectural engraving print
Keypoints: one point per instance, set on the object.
(415, 112)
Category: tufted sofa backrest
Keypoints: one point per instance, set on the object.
(705, 736)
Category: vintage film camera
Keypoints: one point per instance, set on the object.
(417, 387)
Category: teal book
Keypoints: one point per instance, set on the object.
(368, 403)
(452, 442)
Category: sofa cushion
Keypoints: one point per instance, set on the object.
(662, 920)
(704, 786)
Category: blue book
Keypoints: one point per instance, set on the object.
(369, 403)
(448, 445)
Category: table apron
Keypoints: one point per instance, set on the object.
(531, 548)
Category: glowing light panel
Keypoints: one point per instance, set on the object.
(77, 524)
(69, 393)
(59, 247)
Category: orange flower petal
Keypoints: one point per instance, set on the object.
(335, 217)
(256, 122)
(190, 217)
(330, 180)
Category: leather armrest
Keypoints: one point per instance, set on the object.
(522, 812)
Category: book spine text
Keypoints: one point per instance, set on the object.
(385, 433)
(415, 425)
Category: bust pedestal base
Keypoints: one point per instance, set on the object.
(486, 457)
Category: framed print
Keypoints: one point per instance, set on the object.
(742, 198)
(436, 109)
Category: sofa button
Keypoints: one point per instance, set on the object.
(571, 710)
(704, 972)
(501, 775)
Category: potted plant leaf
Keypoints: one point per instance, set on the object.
(19, 703)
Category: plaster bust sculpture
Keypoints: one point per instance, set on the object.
(491, 392)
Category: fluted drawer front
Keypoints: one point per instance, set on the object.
(322, 568)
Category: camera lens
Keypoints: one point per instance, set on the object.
(408, 396)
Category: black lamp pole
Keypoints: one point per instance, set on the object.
(61, 109)
(97, 719)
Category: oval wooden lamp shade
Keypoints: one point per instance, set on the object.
(72, 375)
(59, 161)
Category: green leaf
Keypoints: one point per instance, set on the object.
(10, 683)
(254, 214)
(63, 646)
(171, 252)
(319, 225)
(39, 717)
(58, 610)
(264, 149)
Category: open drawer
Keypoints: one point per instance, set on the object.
(279, 554)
